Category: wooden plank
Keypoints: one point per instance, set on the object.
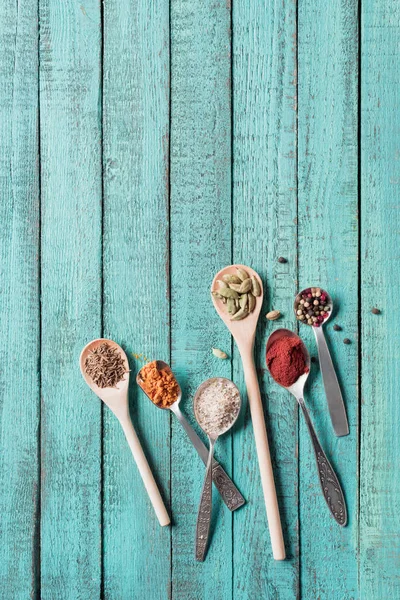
(264, 228)
(19, 300)
(328, 254)
(70, 46)
(380, 225)
(136, 295)
(200, 246)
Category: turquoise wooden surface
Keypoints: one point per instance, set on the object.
(380, 276)
(19, 302)
(328, 254)
(71, 197)
(144, 146)
(135, 166)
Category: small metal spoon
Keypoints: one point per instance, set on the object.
(229, 492)
(330, 485)
(204, 514)
(334, 397)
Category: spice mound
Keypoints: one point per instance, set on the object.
(238, 293)
(105, 365)
(217, 404)
(286, 360)
(159, 384)
(312, 306)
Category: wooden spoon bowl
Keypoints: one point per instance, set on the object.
(244, 330)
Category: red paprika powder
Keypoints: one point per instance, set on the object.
(286, 360)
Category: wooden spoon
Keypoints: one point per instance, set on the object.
(117, 400)
(244, 333)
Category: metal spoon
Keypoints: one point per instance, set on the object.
(204, 514)
(334, 397)
(117, 400)
(330, 485)
(229, 492)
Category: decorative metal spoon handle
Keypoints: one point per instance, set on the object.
(327, 477)
(229, 492)
(204, 514)
(227, 489)
(334, 398)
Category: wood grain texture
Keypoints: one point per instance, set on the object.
(19, 300)
(71, 297)
(136, 295)
(200, 246)
(264, 228)
(380, 215)
(328, 254)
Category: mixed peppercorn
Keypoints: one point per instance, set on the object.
(312, 306)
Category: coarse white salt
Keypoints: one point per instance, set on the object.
(217, 405)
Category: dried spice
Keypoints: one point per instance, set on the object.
(219, 353)
(312, 306)
(159, 384)
(282, 260)
(337, 327)
(217, 405)
(286, 361)
(105, 365)
(238, 293)
(376, 311)
(273, 315)
(346, 341)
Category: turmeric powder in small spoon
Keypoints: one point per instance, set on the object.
(159, 383)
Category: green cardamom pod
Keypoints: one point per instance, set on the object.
(243, 301)
(255, 286)
(222, 284)
(241, 314)
(242, 274)
(251, 302)
(246, 286)
(228, 293)
(235, 286)
(219, 353)
(229, 278)
(231, 305)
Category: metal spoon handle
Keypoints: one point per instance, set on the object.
(332, 390)
(327, 477)
(229, 492)
(204, 514)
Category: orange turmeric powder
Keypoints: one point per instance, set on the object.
(159, 384)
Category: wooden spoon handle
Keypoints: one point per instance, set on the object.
(145, 472)
(264, 457)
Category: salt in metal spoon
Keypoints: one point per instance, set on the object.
(229, 492)
(334, 397)
(204, 514)
(116, 399)
(330, 485)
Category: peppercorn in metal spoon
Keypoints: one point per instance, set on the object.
(216, 407)
(229, 492)
(313, 306)
(116, 398)
(330, 485)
